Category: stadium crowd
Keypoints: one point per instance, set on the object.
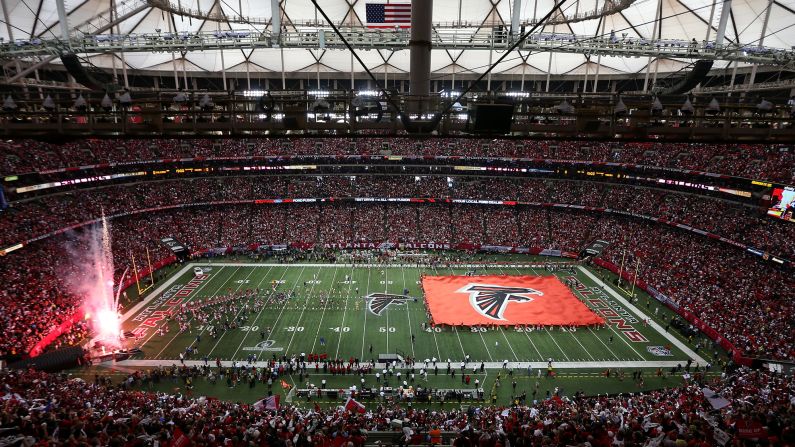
(41, 409)
(746, 160)
(743, 223)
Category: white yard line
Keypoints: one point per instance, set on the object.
(245, 335)
(533, 345)
(386, 311)
(323, 314)
(287, 302)
(364, 327)
(408, 315)
(463, 351)
(670, 337)
(195, 294)
(344, 314)
(581, 345)
(312, 289)
(559, 348)
(509, 344)
(242, 306)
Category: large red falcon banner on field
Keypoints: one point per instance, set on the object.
(504, 300)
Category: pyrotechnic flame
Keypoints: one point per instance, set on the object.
(101, 300)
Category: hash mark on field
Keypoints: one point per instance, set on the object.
(236, 315)
(245, 334)
(408, 315)
(509, 344)
(309, 295)
(287, 301)
(364, 328)
(194, 296)
(344, 313)
(386, 311)
(203, 326)
(197, 293)
(610, 326)
(556, 342)
(323, 314)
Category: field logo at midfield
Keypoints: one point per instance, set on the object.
(491, 301)
(266, 345)
(378, 302)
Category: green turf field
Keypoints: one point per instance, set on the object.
(327, 315)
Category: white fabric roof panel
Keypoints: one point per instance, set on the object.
(681, 19)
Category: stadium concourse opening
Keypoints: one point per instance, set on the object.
(504, 300)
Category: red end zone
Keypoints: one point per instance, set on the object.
(504, 300)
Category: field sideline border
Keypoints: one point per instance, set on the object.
(490, 365)
(656, 326)
(525, 265)
(635, 364)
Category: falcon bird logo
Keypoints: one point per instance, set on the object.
(491, 301)
(378, 302)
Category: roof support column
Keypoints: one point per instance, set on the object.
(598, 59)
(20, 72)
(276, 21)
(549, 66)
(174, 64)
(223, 67)
(62, 19)
(491, 57)
(724, 19)
(654, 36)
(121, 53)
(284, 80)
(420, 54)
(761, 43)
(517, 11)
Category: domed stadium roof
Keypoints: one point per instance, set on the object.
(679, 19)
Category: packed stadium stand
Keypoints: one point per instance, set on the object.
(491, 223)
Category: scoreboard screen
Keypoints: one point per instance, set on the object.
(783, 203)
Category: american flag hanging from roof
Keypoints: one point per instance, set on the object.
(388, 15)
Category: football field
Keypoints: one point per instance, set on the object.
(272, 310)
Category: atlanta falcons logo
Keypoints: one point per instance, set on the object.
(378, 302)
(491, 301)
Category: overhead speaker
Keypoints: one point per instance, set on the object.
(75, 68)
(696, 75)
(493, 118)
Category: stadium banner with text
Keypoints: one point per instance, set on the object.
(504, 300)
